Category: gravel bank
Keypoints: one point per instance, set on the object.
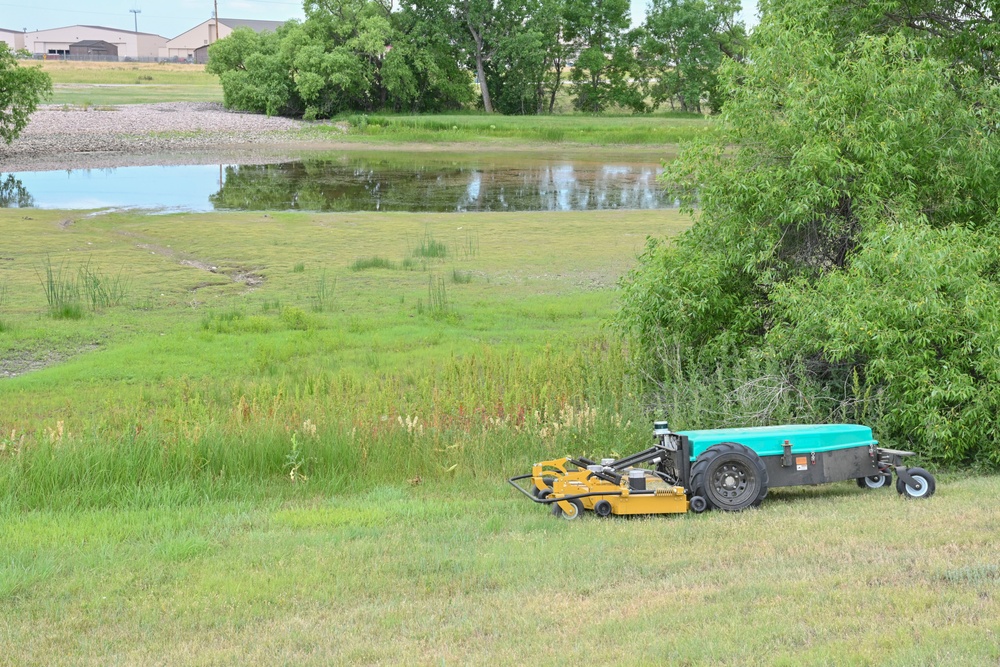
(71, 137)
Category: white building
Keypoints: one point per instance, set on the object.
(14, 38)
(56, 42)
(183, 46)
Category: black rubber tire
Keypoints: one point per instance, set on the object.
(730, 477)
(543, 494)
(698, 504)
(547, 481)
(602, 508)
(879, 481)
(558, 511)
(926, 490)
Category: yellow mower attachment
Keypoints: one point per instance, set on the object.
(574, 485)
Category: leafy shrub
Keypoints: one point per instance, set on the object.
(846, 236)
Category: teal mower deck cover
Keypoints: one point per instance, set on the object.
(768, 440)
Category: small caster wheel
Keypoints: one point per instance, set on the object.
(924, 487)
(602, 508)
(543, 494)
(547, 481)
(875, 481)
(698, 504)
(569, 516)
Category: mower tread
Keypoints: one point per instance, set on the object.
(727, 451)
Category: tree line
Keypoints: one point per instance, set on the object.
(506, 56)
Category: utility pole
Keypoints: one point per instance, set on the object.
(216, 2)
(136, 13)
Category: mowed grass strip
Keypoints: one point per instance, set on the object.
(472, 573)
(107, 83)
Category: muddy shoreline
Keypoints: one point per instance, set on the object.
(62, 137)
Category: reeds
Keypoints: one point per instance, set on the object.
(62, 293)
(65, 293)
(104, 291)
(323, 295)
(430, 248)
(497, 410)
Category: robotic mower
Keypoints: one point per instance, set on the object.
(725, 469)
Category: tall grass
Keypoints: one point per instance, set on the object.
(323, 295)
(470, 245)
(104, 291)
(430, 248)
(3, 304)
(480, 416)
(437, 297)
(62, 293)
(757, 392)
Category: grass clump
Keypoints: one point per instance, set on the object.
(470, 245)
(299, 320)
(104, 291)
(376, 262)
(461, 277)
(438, 306)
(324, 291)
(430, 248)
(236, 321)
(62, 293)
(299, 267)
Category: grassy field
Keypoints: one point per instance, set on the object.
(658, 129)
(283, 439)
(99, 83)
(218, 330)
(470, 574)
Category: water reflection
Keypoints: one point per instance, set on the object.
(352, 182)
(13, 194)
(332, 185)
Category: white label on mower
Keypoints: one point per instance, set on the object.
(801, 463)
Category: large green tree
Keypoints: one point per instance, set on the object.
(606, 71)
(348, 55)
(504, 44)
(847, 224)
(21, 91)
(684, 43)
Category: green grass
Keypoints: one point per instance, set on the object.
(207, 373)
(101, 84)
(217, 472)
(470, 573)
(85, 95)
(374, 262)
(655, 129)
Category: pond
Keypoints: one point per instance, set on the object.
(353, 182)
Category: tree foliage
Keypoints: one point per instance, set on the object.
(604, 73)
(21, 91)
(348, 55)
(683, 45)
(424, 55)
(848, 222)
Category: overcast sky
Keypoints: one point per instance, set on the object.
(172, 17)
